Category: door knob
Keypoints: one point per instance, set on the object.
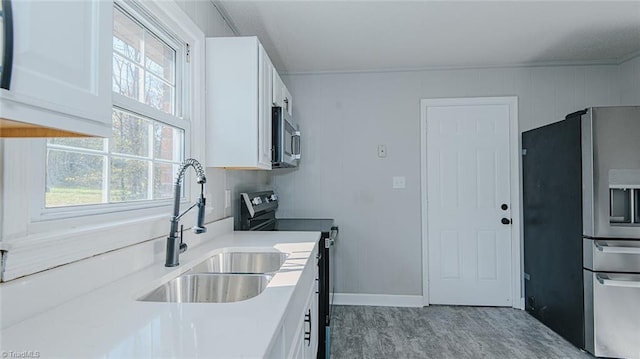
(505, 221)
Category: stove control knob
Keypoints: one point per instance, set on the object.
(273, 197)
(256, 201)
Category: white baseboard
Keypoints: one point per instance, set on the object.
(380, 300)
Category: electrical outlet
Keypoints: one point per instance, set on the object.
(382, 151)
(227, 198)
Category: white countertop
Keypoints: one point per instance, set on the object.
(110, 323)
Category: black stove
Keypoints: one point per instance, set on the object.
(258, 213)
(304, 224)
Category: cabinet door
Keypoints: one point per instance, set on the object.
(265, 74)
(281, 96)
(62, 63)
(298, 349)
(278, 87)
(286, 101)
(310, 327)
(314, 321)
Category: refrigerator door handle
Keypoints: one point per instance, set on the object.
(617, 283)
(604, 248)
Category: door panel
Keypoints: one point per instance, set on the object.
(468, 179)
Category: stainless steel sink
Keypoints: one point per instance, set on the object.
(242, 262)
(209, 288)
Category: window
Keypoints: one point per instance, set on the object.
(139, 162)
(103, 195)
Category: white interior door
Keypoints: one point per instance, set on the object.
(468, 199)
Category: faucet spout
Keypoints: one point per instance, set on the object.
(175, 245)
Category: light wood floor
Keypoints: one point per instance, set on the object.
(443, 332)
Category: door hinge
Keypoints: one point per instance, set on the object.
(524, 151)
(188, 53)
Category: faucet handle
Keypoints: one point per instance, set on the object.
(183, 246)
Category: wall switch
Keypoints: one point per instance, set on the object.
(399, 181)
(227, 198)
(382, 151)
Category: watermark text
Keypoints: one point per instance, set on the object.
(22, 354)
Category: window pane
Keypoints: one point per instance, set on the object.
(127, 36)
(159, 58)
(88, 143)
(73, 179)
(130, 134)
(126, 77)
(167, 143)
(158, 94)
(163, 180)
(129, 180)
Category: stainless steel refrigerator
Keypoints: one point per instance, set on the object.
(581, 201)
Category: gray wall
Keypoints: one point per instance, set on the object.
(207, 17)
(345, 116)
(629, 78)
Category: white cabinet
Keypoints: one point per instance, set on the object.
(239, 92)
(264, 111)
(310, 327)
(300, 328)
(281, 95)
(62, 64)
(305, 342)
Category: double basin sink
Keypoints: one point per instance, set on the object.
(223, 278)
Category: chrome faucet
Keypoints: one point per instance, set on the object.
(175, 247)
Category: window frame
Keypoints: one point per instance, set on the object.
(35, 243)
(180, 119)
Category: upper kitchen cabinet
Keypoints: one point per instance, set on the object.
(281, 95)
(56, 68)
(239, 97)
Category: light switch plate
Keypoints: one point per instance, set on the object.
(399, 182)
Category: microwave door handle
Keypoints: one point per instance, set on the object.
(296, 154)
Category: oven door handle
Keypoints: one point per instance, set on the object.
(617, 283)
(604, 248)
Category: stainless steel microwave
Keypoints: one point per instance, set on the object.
(286, 140)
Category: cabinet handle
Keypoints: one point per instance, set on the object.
(7, 57)
(286, 104)
(307, 334)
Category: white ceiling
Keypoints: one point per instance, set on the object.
(327, 36)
